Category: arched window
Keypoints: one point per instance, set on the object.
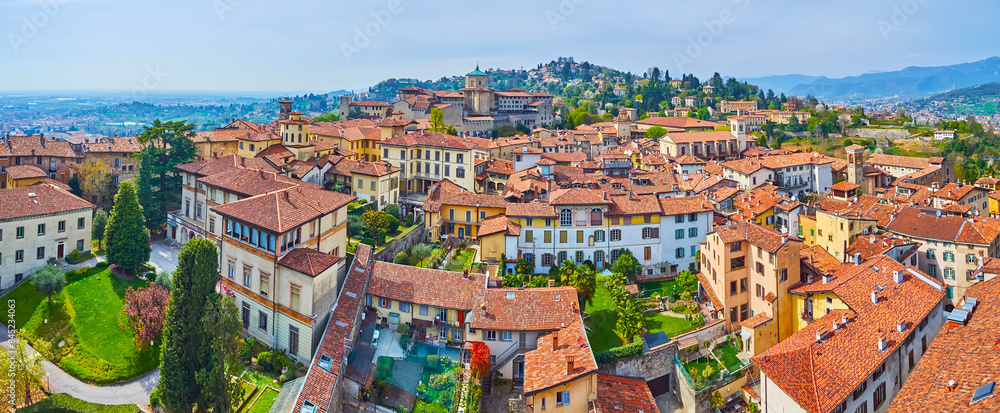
(566, 218)
(596, 216)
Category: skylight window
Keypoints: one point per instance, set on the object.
(510, 295)
(983, 392)
(308, 407)
(325, 362)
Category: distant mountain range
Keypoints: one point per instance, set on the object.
(915, 82)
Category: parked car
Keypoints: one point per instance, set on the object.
(375, 339)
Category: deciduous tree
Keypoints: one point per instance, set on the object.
(48, 280)
(98, 227)
(145, 312)
(126, 235)
(479, 362)
(94, 177)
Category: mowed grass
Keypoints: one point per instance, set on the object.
(426, 407)
(264, 402)
(61, 402)
(662, 287)
(83, 317)
(602, 316)
(727, 354)
(656, 322)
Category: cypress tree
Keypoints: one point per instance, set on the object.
(184, 337)
(126, 237)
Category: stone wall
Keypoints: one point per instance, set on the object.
(403, 243)
(711, 331)
(878, 133)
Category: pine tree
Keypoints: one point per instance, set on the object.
(167, 144)
(225, 337)
(126, 236)
(184, 336)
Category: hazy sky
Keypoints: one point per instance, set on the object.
(312, 45)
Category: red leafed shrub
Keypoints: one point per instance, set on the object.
(145, 312)
(480, 361)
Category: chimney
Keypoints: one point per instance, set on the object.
(871, 239)
(552, 283)
(836, 326)
(857, 259)
(820, 335)
(883, 342)
(951, 385)
(843, 319)
(555, 341)
(569, 364)
(900, 325)
(784, 239)
(897, 277)
(874, 296)
(827, 278)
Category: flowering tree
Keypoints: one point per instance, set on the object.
(480, 361)
(145, 312)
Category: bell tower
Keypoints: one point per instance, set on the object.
(284, 108)
(855, 164)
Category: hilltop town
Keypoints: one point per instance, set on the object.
(706, 246)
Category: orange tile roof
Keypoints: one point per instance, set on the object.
(497, 224)
(911, 162)
(684, 205)
(683, 122)
(48, 199)
(819, 259)
(211, 166)
(819, 375)
(308, 261)
(124, 144)
(954, 191)
(577, 196)
(621, 394)
(877, 244)
(967, 355)
(531, 210)
(283, 210)
(277, 151)
(546, 367)
(525, 309)
(249, 183)
(319, 383)
(844, 186)
(761, 236)
(751, 165)
(25, 172)
(37, 145)
(426, 286)
(912, 222)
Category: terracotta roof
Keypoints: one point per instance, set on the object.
(635, 205)
(844, 186)
(319, 382)
(954, 191)
(497, 224)
(756, 321)
(36, 145)
(621, 394)
(546, 367)
(283, 210)
(577, 196)
(763, 237)
(125, 144)
(751, 165)
(683, 122)
(277, 151)
(531, 209)
(901, 161)
(876, 244)
(716, 304)
(432, 139)
(445, 193)
(250, 183)
(525, 309)
(375, 168)
(684, 205)
(913, 222)
(426, 286)
(212, 166)
(564, 157)
(308, 261)
(819, 375)
(967, 355)
(39, 199)
(25, 172)
(819, 259)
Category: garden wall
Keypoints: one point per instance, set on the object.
(878, 133)
(701, 401)
(649, 366)
(712, 330)
(403, 243)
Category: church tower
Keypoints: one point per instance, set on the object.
(856, 164)
(285, 107)
(478, 95)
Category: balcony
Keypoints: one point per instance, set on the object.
(807, 316)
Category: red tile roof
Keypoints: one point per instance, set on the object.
(426, 286)
(761, 236)
(212, 166)
(683, 122)
(283, 210)
(546, 367)
(36, 145)
(497, 224)
(912, 222)
(818, 376)
(249, 183)
(844, 186)
(308, 261)
(319, 383)
(124, 144)
(621, 394)
(577, 196)
(525, 309)
(39, 199)
(967, 355)
(25, 172)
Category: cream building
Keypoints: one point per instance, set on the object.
(38, 223)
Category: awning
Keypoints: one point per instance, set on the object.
(422, 323)
(172, 223)
(745, 335)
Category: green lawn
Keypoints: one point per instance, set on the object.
(259, 379)
(427, 261)
(699, 366)
(84, 318)
(662, 287)
(601, 320)
(425, 407)
(727, 353)
(61, 402)
(264, 402)
(672, 326)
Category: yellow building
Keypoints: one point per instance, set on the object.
(814, 298)
(218, 142)
(430, 157)
(24, 175)
(376, 182)
(253, 143)
(561, 374)
(493, 233)
(994, 204)
(835, 231)
(451, 211)
(807, 229)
